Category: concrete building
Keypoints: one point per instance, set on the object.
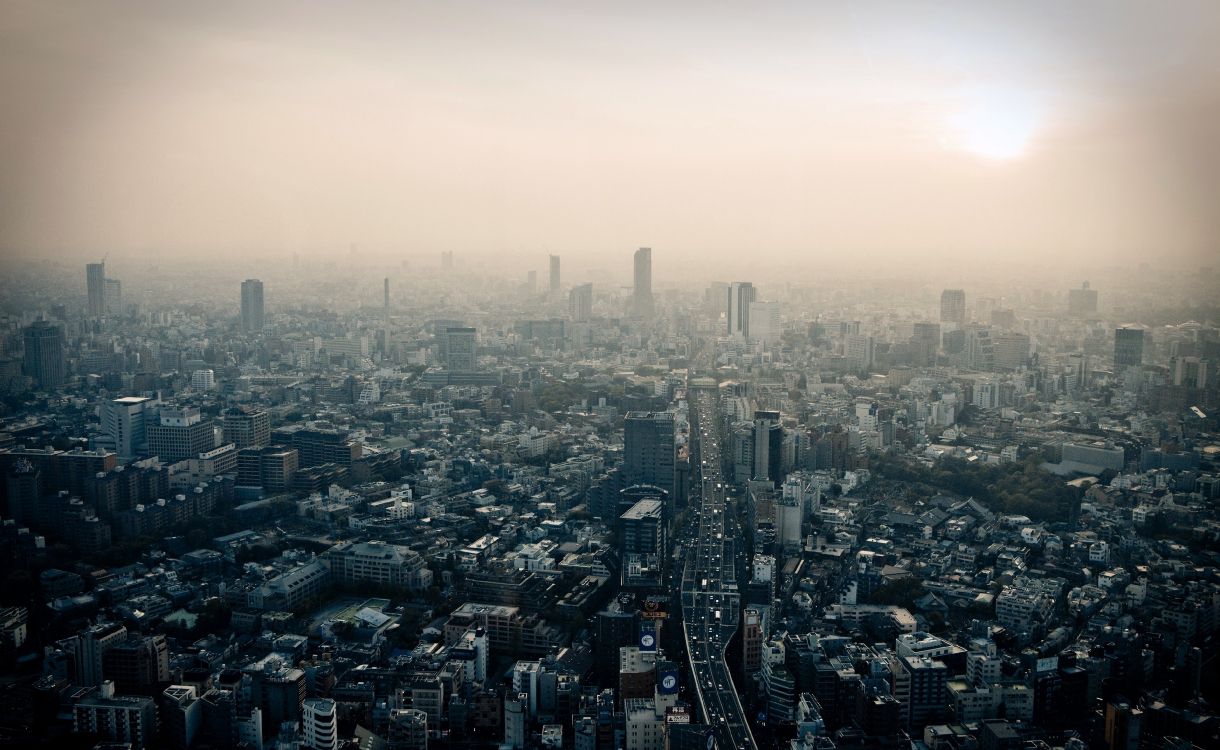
(44, 355)
(740, 295)
(125, 421)
(643, 304)
(580, 303)
(319, 724)
(378, 564)
(953, 306)
(649, 449)
(252, 317)
(127, 719)
(95, 283)
(180, 434)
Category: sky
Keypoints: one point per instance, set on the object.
(736, 134)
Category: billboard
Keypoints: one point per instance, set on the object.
(667, 679)
(648, 636)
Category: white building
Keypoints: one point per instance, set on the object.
(319, 724)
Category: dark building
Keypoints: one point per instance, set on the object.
(953, 306)
(44, 354)
(768, 447)
(1128, 348)
(95, 281)
(319, 445)
(648, 449)
(273, 468)
(252, 305)
(138, 664)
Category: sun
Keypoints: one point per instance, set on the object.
(996, 124)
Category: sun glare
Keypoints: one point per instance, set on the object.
(996, 124)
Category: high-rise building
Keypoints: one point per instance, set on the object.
(1128, 348)
(1082, 301)
(113, 297)
(580, 303)
(458, 348)
(180, 434)
(925, 343)
(741, 294)
(764, 322)
(648, 449)
(554, 274)
(247, 428)
(252, 305)
(181, 716)
(515, 710)
(319, 724)
(125, 421)
(953, 306)
(44, 354)
(89, 648)
(642, 300)
(95, 280)
(768, 446)
(860, 350)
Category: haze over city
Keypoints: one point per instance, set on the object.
(805, 133)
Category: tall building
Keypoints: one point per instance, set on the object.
(953, 306)
(1082, 301)
(458, 346)
(554, 274)
(580, 303)
(648, 449)
(741, 294)
(125, 421)
(95, 280)
(137, 664)
(252, 305)
(764, 322)
(319, 724)
(768, 446)
(1128, 348)
(247, 428)
(642, 300)
(925, 343)
(112, 296)
(860, 350)
(44, 354)
(180, 434)
(181, 716)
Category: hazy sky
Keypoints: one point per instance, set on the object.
(1051, 130)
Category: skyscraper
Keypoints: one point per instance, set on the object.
(953, 306)
(95, 279)
(113, 296)
(648, 449)
(1082, 301)
(554, 274)
(642, 300)
(458, 349)
(741, 294)
(44, 354)
(252, 305)
(1128, 348)
(764, 320)
(580, 303)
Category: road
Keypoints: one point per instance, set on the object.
(711, 602)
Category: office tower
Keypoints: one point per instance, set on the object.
(23, 491)
(925, 343)
(203, 380)
(385, 300)
(751, 641)
(580, 303)
(764, 322)
(768, 446)
(741, 294)
(44, 354)
(1122, 728)
(246, 428)
(860, 350)
(319, 724)
(458, 347)
(648, 449)
(121, 718)
(642, 300)
(642, 529)
(1082, 301)
(715, 299)
(95, 280)
(125, 421)
(928, 698)
(1011, 350)
(953, 306)
(554, 274)
(112, 296)
(1128, 348)
(180, 434)
(252, 305)
(531, 282)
